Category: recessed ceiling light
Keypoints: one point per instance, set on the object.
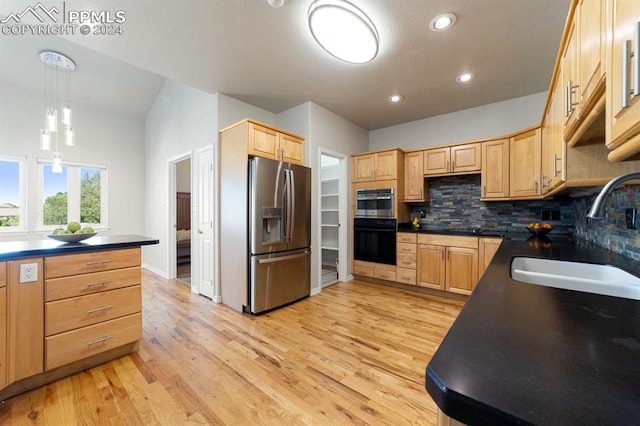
(343, 30)
(466, 77)
(442, 22)
(396, 98)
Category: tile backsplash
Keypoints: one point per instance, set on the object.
(454, 203)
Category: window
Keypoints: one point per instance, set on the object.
(75, 195)
(13, 210)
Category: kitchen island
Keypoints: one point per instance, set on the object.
(529, 354)
(67, 307)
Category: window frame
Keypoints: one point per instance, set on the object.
(74, 179)
(23, 228)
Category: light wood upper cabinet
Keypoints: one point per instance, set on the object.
(553, 145)
(25, 303)
(494, 180)
(464, 158)
(414, 177)
(623, 112)
(524, 164)
(570, 81)
(382, 165)
(591, 31)
(3, 325)
(271, 143)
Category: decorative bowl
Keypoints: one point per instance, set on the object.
(540, 231)
(71, 238)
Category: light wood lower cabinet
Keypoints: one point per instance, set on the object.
(487, 249)
(3, 324)
(448, 263)
(93, 304)
(406, 258)
(25, 321)
(374, 270)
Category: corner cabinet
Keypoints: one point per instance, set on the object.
(623, 85)
(269, 142)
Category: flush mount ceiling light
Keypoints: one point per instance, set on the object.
(343, 30)
(442, 22)
(275, 3)
(466, 77)
(396, 98)
(54, 63)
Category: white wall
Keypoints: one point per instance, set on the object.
(322, 128)
(102, 137)
(181, 120)
(486, 121)
(231, 110)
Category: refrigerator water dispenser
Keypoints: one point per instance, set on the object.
(271, 225)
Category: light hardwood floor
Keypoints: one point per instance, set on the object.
(354, 354)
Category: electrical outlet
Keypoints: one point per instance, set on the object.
(28, 272)
(630, 216)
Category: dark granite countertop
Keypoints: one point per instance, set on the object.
(527, 354)
(46, 247)
(473, 232)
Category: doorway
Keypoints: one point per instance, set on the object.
(182, 223)
(332, 216)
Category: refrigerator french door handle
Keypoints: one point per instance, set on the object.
(292, 201)
(283, 258)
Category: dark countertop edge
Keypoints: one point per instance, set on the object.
(469, 410)
(34, 248)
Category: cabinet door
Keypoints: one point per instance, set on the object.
(591, 34)
(263, 142)
(624, 120)
(363, 167)
(524, 164)
(413, 177)
(25, 306)
(292, 149)
(488, 249)
(386, 165)
(431, 266)
(570, 83)
(437, 161)
(462, 269)
(553, 159)
(466, 158)
(495, 169)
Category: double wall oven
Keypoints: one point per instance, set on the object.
(375, 226)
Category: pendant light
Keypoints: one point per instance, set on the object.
(54, 63)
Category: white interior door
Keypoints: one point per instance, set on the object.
(205, 222)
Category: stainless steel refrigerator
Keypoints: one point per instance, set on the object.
(279, 234)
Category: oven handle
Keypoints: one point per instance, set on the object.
(376, 229)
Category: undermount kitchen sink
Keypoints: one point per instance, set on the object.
(588, 277)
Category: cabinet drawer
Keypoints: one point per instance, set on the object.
(406, 276)
(405, 237)
(95, 261)
(71, 346)
(363, 270)
(3, 274)
(384, 274)
(448, 240)
(406, 248)
(68, 314)
(407, 261)
(81, 285)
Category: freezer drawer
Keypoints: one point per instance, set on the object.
(278, 279)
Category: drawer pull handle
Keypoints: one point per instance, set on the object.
(104, 308)
(98, 262)
(100, 340)
(98, 283)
